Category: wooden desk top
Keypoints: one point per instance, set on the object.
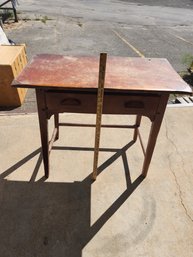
(122, 73)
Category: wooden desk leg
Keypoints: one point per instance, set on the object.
(137, 123)
(155, 127)
(56, 123)
(43, 123)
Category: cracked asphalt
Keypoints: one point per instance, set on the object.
(162, 29)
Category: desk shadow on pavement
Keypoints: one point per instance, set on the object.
(52, 219)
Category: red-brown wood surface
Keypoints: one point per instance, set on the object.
(122, 73)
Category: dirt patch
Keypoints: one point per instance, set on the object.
(9, 25)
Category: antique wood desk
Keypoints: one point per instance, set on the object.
(136, 86)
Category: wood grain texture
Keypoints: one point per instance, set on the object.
(122, 73)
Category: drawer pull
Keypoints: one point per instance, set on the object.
(134, 104)
(71, 102)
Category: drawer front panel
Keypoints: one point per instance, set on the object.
(71, 102)
(131, 104)
(113, 103)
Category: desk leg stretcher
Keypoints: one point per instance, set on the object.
(47, 145)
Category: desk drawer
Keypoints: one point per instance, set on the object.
(71, 102)
(83, 102)
(131, 104)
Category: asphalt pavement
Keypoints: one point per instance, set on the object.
(162, 29)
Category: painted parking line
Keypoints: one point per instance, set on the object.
(181, 38)
(129, 44)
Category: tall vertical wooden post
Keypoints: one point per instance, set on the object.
(101, 82)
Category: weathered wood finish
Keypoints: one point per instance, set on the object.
(155, 127)
(51, 103)
(132, 86)
(122, 73)
(99, 110)
(43, 123)
(114, 103)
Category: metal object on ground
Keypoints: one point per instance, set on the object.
(13, 3)
(181, 101)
